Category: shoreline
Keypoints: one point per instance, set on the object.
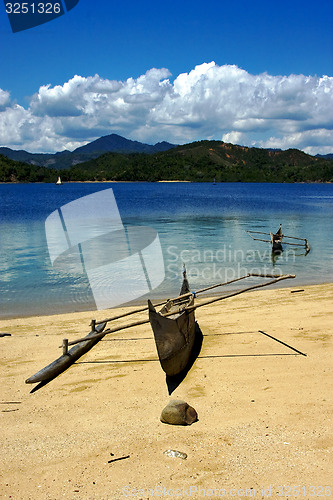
(143, 301)
(95, 432)
(121, 309)
(170, 181)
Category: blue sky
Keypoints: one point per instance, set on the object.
(248, 72)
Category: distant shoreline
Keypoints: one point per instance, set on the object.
(169, 182)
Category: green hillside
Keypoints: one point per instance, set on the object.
(207, 160)
(197, 162)
(17, 171)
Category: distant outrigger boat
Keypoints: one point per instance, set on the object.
(59, 182)
(276, 240)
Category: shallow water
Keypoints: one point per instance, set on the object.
(200, 225)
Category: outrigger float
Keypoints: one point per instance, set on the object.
(173, 328)
(278, 239)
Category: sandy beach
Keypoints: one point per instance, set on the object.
(264, 428)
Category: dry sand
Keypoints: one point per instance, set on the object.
(264, 428)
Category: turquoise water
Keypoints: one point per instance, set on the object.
(201, 225)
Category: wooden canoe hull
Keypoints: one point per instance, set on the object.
(277, 247)
(61, 364)
(174, 339)
(276, 240)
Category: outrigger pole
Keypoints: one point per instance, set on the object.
(185, 295)
(276, 278)
(283, 236)
(260, 285)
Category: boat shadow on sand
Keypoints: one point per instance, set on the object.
(174, 381)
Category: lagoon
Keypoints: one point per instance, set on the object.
(201, 225)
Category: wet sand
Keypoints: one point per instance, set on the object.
(265, 412)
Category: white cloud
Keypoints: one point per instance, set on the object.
(318, 141)
(4, 99)
(211, 101)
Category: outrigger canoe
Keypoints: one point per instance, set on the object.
(173, 326)
(174, 330)
(279, 239)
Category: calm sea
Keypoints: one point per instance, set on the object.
(201, 225)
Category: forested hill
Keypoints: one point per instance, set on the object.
(197, 162)
(17, 171)
(206, 161)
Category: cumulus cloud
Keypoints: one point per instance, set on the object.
(210, 102)
(4, 99)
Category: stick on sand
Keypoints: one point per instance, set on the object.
(283, 343)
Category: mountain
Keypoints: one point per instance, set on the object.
(66, 159)
(329, 156)
(201, 161)
(207, 160)
(116, 144)
(31, 158)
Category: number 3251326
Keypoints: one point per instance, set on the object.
(33, 8)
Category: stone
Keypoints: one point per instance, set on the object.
(178, 412)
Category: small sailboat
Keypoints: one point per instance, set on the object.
(59, 181)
